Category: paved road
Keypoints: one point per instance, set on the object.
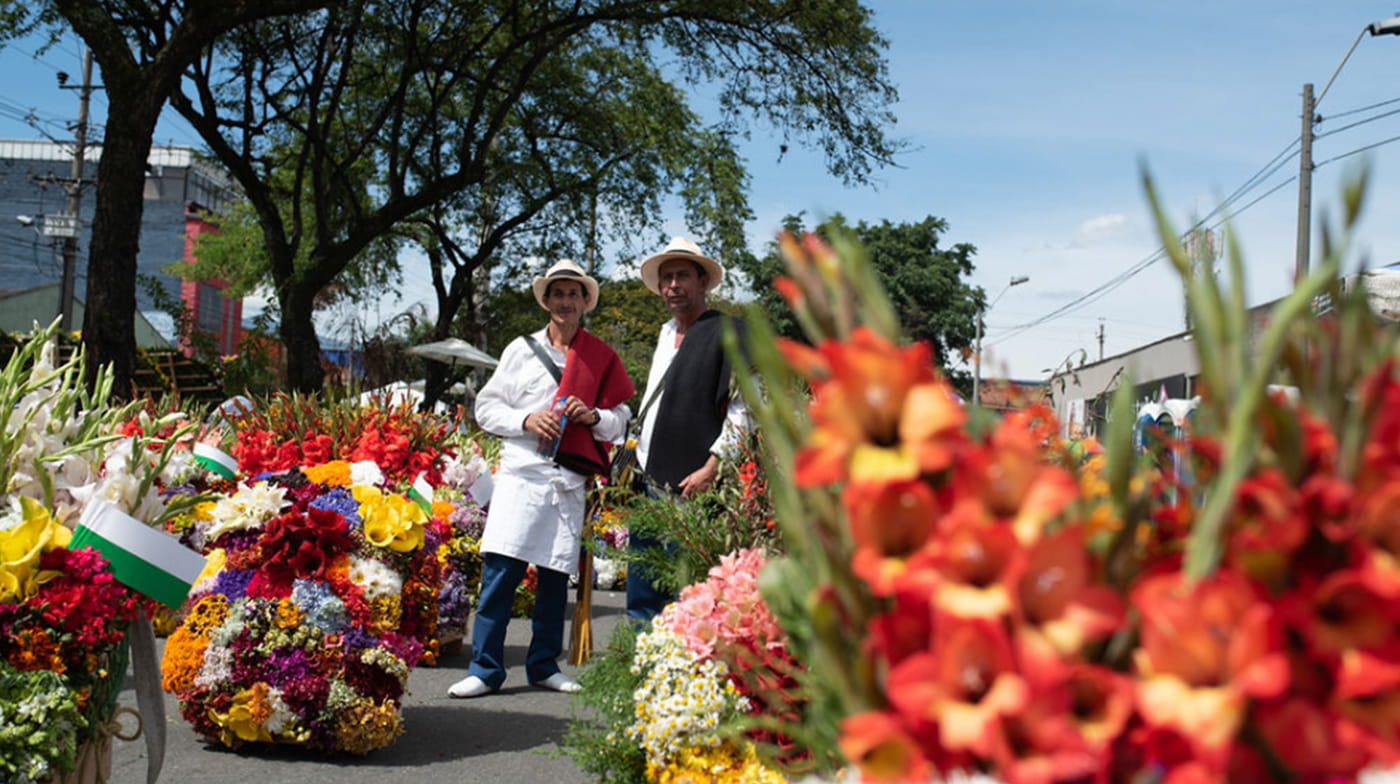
(511, 736)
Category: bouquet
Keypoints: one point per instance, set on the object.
(288, 431)
(320, 596)
(1019, 614)
(460, 553)
(64, 617)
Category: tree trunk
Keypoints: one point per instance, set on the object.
(298, 331)
(109, 323)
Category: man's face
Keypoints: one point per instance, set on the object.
(566, 301)
(682, 287)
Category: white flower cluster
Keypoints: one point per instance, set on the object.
(249, 508)
(461, 475)
(607, 573)
(59, 446)
(375, 578)
(682, 699)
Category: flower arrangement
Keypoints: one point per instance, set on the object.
(703, 676)
(64, 617)
(288, 431)
(460, 552)
(1027, 614)
(609, 548)
(321, 594)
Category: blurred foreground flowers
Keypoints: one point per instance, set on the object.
(971, 596)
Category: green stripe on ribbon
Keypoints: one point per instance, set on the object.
(134, 571)
(215, 461)
(143, 558)
(421, 492)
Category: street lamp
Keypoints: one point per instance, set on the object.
(1016, 280)
(1389, 26)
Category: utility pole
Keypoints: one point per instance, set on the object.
(1100, 340)
(75, 196)
(1305, 169)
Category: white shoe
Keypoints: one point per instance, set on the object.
(468, 687)
(559, 682)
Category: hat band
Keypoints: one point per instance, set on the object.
(564, 273)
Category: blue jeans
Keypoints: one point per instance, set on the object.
(644, 600)
(500, 575)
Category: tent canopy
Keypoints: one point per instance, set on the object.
(454, 351)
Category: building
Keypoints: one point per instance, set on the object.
(180, 189)
(1169, 368)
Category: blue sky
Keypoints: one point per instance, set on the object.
(1028, 122)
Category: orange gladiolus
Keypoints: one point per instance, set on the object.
(881, 415)
(889, 523)
(965, 685)
(1204, 649)
(980, 566)
(882, 748)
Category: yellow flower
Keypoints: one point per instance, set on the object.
(244, 720)
(20, 549)
(390, 520)
(336, 473)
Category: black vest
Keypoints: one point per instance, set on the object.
(691, 412)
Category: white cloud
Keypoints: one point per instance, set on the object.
(1099, 229)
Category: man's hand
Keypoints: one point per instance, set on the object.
(578, 411)
(701, 479)
(543, 423)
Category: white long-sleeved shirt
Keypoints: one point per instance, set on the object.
(536, 511)
(736, 416)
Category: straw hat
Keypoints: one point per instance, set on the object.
(681, 248)
(566, 269)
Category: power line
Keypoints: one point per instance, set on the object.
(1094, 295)
(1362, 109)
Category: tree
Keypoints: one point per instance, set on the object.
(142, 48)
(926, 283)
(491, 129)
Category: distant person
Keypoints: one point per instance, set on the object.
(536, 511)
(696, 418)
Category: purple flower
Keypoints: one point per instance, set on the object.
(233, 583)
(339, 499)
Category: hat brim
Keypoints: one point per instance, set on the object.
(541, 284)
(651, 268)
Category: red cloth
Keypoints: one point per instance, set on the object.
(594, 374)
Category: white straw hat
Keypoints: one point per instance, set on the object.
(681, 248)
(566, 269)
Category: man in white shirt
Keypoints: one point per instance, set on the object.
(696, 418)
(536, 511)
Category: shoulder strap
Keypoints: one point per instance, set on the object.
(655, 393)
(545, 359)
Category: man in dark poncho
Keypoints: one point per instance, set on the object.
(695, 418)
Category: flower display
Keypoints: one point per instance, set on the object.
(64, 617)
(317, 600)
(1041, 613)
(710, 660)
(289, 431)
(463, 519)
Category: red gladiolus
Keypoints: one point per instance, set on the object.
(882, 748)
(889, 523)
(1205, 648)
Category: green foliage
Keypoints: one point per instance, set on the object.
(925, 283)
(519, 128)
(597, 743)
(734, 513)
